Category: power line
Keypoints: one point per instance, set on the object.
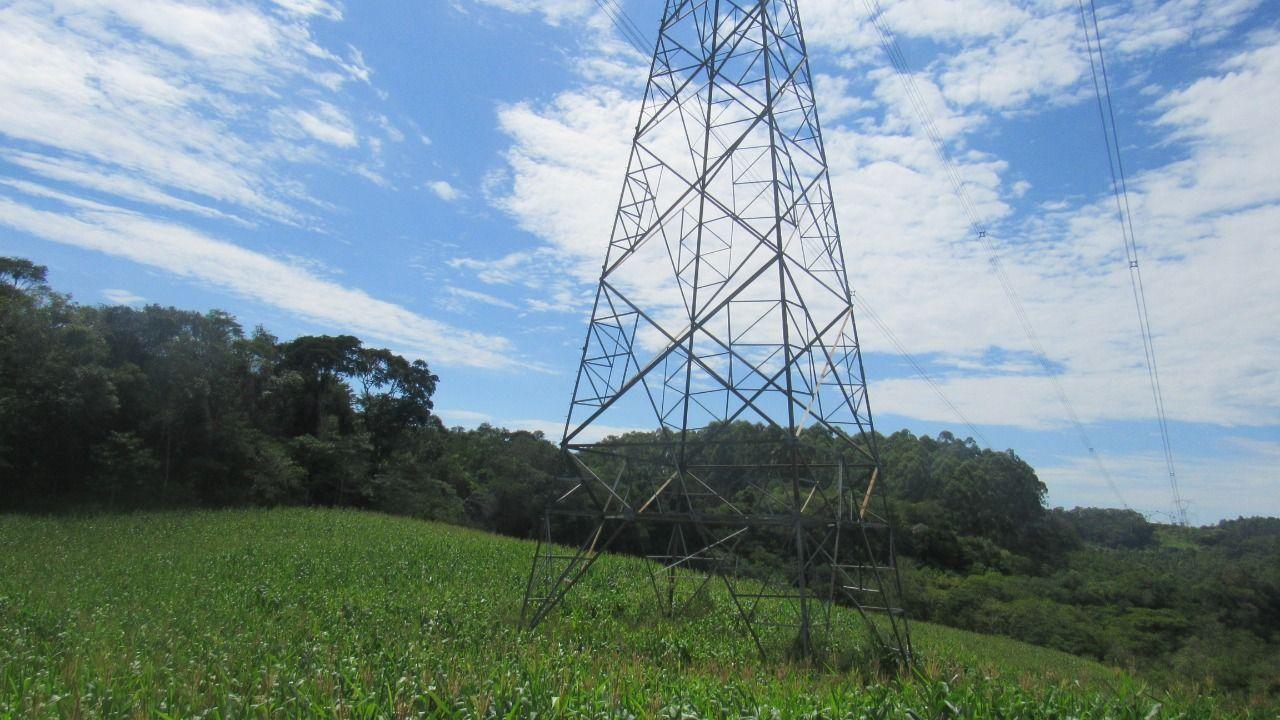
(635, 29)
(897, 59)
(1120, 188)
(630, 32)
(869, 312)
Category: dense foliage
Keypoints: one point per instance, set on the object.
(129, 408)
(154, 406)
(340, 614)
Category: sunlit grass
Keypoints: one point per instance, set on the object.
(344, 614)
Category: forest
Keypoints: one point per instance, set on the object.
(112, 408)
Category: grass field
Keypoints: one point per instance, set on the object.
(352, 615)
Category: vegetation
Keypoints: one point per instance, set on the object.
(327, 613)
(121, 408)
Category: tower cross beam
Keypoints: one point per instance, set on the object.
(723, 320)
(764, 112)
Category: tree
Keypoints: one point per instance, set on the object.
(395, 397)
(56, 393)
(322, 361)
(123, 468)
(1112, 527)
(995, 495)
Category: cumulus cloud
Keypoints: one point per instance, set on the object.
(562, 158)
(1007, 56)
(1166, 23)
(906, 238)
(444, 190)
(1039, 59)
(327, 124)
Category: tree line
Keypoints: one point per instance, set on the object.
(120, 408)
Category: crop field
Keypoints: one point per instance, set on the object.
(315, 613)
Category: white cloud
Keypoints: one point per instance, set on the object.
(1206, 223)
(1262, 448)
(1243, 481)
(846, 27)
(901, 106)
(327, 124)
(566, 160)
(998, 54)
(311, 7)
(1163, 24)
(840, 26)
(910, 252)
(462, 417)
(117, 296)
(372, 175)
(394, 134)
(955, 19)
(552, 11)
(542, 272)
(1007, 55)
(1227, 121)
(836, 97)
(287, 286)
(92, 177)
(457, 294)
(1042, 58)
(181, 98)
(178, 107)
(444, 190)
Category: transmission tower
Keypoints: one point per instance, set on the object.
(724, 300)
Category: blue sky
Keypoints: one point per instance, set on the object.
(439, 178)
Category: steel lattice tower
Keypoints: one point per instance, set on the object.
(724, 298)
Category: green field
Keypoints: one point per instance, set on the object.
(346, 614)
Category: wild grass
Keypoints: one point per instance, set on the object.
(340, 614)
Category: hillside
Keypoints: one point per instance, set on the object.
(154, 407)
(351, 614)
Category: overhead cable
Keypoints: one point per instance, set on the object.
(869, 312)
(630, 32)
(897, 59)
(1120, 188)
